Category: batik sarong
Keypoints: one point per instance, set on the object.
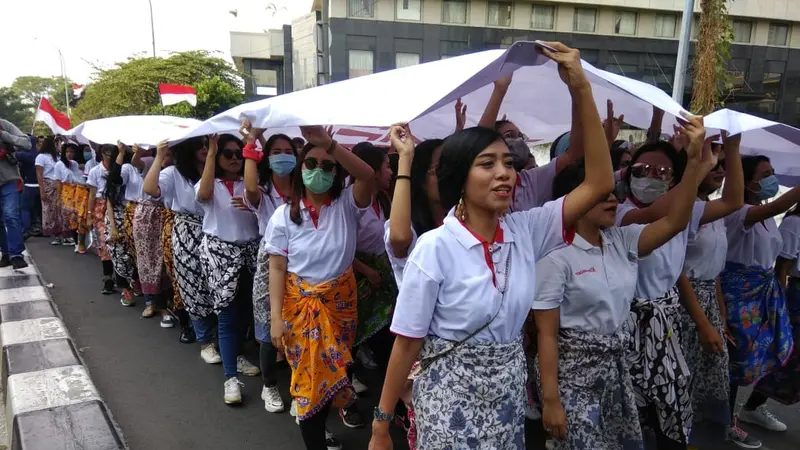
(99, 220)
(472, 397)
(81, 202)
(147, 224)
(187, 237)
(758, 322)
(68, 217)
(261, 308)
(374, 305)
(224, 262)
(710, 381)
(169, 261)
(321, 321)
(51, 209)
(659, 372)
(127, 228)
(783, 385)
(121, 253)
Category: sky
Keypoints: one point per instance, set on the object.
(102, 32)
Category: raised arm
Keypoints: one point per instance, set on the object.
(150, 186)
(252, 157)
(400, 234)
(136, 161)
(612, 124)
(654, 132)
(358, 169)
(733, 191)
(780, 205)
(489, 117)
(205, 192)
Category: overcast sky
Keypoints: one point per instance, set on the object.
(102, 32)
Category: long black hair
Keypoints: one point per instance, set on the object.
(299, 189)
(64, 158)
(224, 140)
(185, 160)
(49, 147)
(115, 188)
(264, 169)
(458, 153)
(678, 159)
(750, 164)
(374, 157)
(421, 217)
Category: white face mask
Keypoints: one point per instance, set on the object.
(647, 190)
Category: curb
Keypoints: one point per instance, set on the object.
(51, 401)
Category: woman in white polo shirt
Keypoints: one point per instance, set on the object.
(313, 296)
(69, 175)
(758, 319)
(48, 186)
(466, 287)
(97, 212)
(581, 304)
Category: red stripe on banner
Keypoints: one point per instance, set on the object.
(166, 88)
(60, 118)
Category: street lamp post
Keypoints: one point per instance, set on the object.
(152, 27)
(64, 78)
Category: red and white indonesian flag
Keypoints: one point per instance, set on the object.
(56, 120)
(77, 90)
(175, 93)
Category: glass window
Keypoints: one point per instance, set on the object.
(454, 11)
(360, 63)
(499, 14)
(405, 59)
(625, 23)
(409, 9)
(585, 20)
(360, 8)
(265, 81)
(543, 17)
(665, 25)
(778, 34)
(742, 31)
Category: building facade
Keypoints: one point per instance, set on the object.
(264, 60)
(637, 38)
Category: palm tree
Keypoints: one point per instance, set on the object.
(711, 56)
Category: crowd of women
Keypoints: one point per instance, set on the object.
(507, 302)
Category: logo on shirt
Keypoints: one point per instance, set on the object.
(585, 271)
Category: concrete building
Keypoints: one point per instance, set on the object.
(341, 39)
(265, 60)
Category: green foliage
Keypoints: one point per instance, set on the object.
(14, 110)
(711, 76)
(132, 87)
(31, 88)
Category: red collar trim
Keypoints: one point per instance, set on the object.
(377, 208)
(313, 212)
(281, 194)
(487, 254)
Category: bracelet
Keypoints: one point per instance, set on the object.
(403, 177)
(381, 416)
(250, 151)
(332, 146)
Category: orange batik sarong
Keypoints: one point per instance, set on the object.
(321, 321)
(68, 216)
(81, 203)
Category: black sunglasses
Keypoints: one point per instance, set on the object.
(227, 153)
(326, 165)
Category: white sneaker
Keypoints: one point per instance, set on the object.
(233, 391)
(364, 355)
(763, 418)
(56, 241)
(272, 399)
(245, 367)
(67, 241)
(209, 354)
(358, 386)
(293, 412)
(331, 442)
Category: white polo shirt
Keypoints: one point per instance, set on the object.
(660, 270)
(177, 192)
(48, 165)
(266, 207)
(706, 250)
(759, 245)
(592, 286)
(97, 179)
(91, 164)
(450, 289)
(398, 264)
(223, 220)
(790, 232)
(371, 231)
(534, 187)
(73, 174)
(321, 251)
(133, 182)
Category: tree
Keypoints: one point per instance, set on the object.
(31, 88)
(14, 110)
(711, 56)
(132, 87)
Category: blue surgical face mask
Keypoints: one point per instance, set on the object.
(87, 156)
(282, 164)
(769, 187)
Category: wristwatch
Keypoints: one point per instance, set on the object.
(381, 416)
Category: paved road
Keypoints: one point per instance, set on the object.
(165, 397)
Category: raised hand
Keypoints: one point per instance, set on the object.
(401, 138)
(317, 135)
(461, 115)
(569, 64)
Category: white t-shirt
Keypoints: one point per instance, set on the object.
(660, 270)
(398, 264)
(449, 289)
(88, 167)
(371, 230)
(97, 179)
(790, 232)
(223, 220)
(73, 174)
(706, 251)
(133, 182)
(534, 187)
(266, 207)
(316, 252)
(591, 286)
(48, 165)
(177, 192)
(759, 245)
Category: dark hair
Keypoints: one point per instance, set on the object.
(569, 178)
(185, 160)
(618, 150)
(299, 189)
(298, 143)
(224, 140)
(374, 157)
(678, 159)
(264, 170)
(750, 164)
(794, 210)
(115, 188)
(421, 217)
(458, 153)
(49, 147)
(64, 158)
(499, 124)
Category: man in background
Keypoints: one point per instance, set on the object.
(30, 201)
(11, 244)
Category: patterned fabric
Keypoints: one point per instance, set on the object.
(51, 208)
(81, 204)
(321, 321)
(596, 392)
(658, 368)
(473, 397)
(187, 236)
(261, 311)
(169, 262)
(121, 254)
(224, 262)
(530, 346)
(68, 216)
(99, 221)
(710, 385)
(147, 224)
(127, 228)
(412, 428)
(757, 321)
(374, 305)
(783, 385)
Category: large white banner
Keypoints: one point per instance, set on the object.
(142, 130)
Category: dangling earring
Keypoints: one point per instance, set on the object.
(461, 210)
